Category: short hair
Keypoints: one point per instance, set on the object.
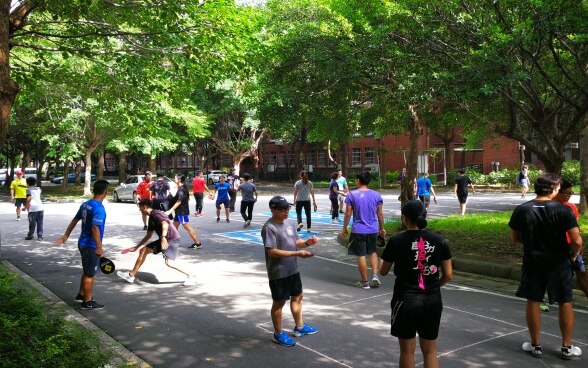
(461, 171)
(100, 187)
(31, 181)
(565, 184)
(198, 172)
(222, 177)
(364, 177)
(181, 177)
(546, 183)
(147, 172)
(335, 175)
(144, 202)
(246, 176)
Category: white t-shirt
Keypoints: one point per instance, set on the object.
(35, 194)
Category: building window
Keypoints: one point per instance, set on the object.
(322, 158)
(356, 157)
(281, 159)
(370, 157)
(310, 158)
(273, 158)
(291, 159)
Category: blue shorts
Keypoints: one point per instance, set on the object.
(182, 219)
(284, 288)
(558, 284)
(225, 203)
(362, 244)
(90, 260)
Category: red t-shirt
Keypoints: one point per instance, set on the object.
(198, 185)
(143, 189)
(576, 215)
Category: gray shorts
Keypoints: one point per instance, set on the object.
(170, 253)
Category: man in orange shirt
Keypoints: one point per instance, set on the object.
(143, 193)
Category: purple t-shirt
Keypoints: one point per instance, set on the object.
(365, 210)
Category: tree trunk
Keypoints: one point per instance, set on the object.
(8, 88)
(122, 167)
(407, 185)
(101, 165)
(584, 171)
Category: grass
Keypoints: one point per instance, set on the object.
(482, 236)
(35, 334)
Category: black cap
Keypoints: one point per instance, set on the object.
(279, 203)
(160, 175)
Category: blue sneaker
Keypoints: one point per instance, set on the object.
(283, 339)
(304, 330)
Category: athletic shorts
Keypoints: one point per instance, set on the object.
(284, 288)
(170, 253)
(416, 313)
(558, 284)
(90, 260)
(462, 198)
(362, 244)
(225, 203)
(426, 200)
(18, 202)
(182, 219)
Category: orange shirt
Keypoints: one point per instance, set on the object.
(576, 214)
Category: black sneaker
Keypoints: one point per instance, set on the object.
(30, 237)
(40, 237)
(218, 219)
(195, 246)
(80, 298)
(228, 221)
(145, 227)
(91, 305)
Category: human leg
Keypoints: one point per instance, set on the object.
(299, 212)
(199, 197)
(533, 317)
(296, 309)
(172, 264)
(39, 220)
(362, 267)
(191, 232)
(334, 208)
(306, 205)
(276, 314)
(566, 322)
(32, 225)
(227, 213)
(250, 211)
(243, 210)
(86, 287)
(143, 253)
(429, 350)
(407, 349)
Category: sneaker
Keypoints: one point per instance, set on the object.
(145, 227)
(18, 218)
(40, 237)
(333, 221)
(309, 230)
(340, 211)
(535, 351)
(80, 298)
(568, 352)
(195, 246)
(91, 305)
(543, 307)
(199, 215)
(191, 280)
(283, 339)
(218, 219)
(247, 223)
(228, 221)
(300, 226)
(29, 237)
(304, 330)
(125, 276)
(375, 281)
(362, 284)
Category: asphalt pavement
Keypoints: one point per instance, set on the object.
(224, 320)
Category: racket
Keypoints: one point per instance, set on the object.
(106, 265)
(125, 251)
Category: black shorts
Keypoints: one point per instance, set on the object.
(462, 198)
(20, 202)
(416, 312)
(426, 200)
(362, 244)
(170, 253)
(558, 284)
(284, 288)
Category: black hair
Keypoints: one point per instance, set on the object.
(198, 172)
(415, 211)
(546, 183)
(145, 202)
(181, 177)
(335, 175)
(246, 176)
(565, 184)
(31, 181)
(100, 187)
(364, 177)
(461, 171)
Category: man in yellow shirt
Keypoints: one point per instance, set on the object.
(18, 192)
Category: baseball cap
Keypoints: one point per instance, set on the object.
(279, 203)
(18, 172)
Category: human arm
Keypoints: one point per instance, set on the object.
(295, 193)
(97, 240)
(62, 239)
(313, 199)
(380, 213)
(455, 190)
(515, 236)
(346, 218)
(385, 268)
(280, 253)
(446, 272)
(28, 202)
(141, 244)
(255, 194)
(576, 241)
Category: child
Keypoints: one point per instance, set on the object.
(34, 207)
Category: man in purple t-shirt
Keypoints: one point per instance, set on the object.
(368, 222)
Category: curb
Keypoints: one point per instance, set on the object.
(487, 268)
(122, 356)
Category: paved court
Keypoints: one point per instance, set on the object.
(223, 320)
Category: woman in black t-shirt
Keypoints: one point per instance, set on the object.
(418, 256)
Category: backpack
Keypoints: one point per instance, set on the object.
(520, 178)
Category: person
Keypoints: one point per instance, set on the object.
(540, 225)
(93, 216)
(248, 199)
(198, 187)
(34, 207)
(460, 189)
(334, 194)
(343, 189)
(18, 192)
(144, 193)
(425, 189)
(160, 193)
(368, 220)
(563, 196)
(523, 180)
(417, 255)
(168, 243)
(181, 208)
(282, 247)
(222, 188)
(303, 191)
(233, 180)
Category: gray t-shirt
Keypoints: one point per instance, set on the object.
(283, 237)
(247, 189)
(303, 190)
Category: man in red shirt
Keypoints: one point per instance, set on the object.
(198, 187)
(143, 193)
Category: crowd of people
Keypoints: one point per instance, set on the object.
(546, 226)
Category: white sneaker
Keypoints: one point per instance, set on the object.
(190, 281)
(569, 353)
(125, 276)
(375, 281)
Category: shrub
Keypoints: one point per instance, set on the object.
(392, 177)
(571, 171)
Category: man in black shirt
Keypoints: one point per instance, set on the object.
(460, 189)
